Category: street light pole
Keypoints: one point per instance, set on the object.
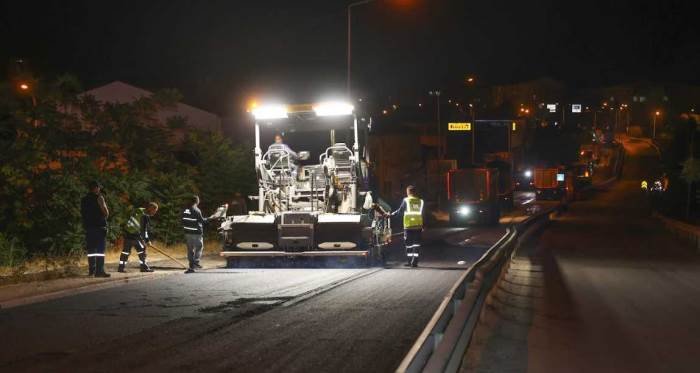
(439, 127)
(653, 131)
(441, 151)
(349, 52)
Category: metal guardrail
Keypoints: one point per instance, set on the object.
(444, 341)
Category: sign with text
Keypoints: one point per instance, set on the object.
(552, 108)
(575, 108)
(459, 126)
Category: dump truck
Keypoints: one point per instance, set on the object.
(552, 183)
(308, 205)
(472, 195)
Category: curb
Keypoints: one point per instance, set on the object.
(684, 231)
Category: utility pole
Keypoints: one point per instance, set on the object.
(563, 115)
(473, 141)
(349, 46)
(693, 128)
(441, 151)
(653, 133)
(595, 118)
(439, 127)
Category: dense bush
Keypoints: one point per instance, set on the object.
(50, 151)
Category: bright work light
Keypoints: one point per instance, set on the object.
(464, 210)
(333, 108)
(270, 112)
(527, 174)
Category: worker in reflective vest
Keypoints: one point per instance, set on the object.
(412, 209)
(138, 236)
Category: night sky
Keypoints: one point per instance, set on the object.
(218, 53)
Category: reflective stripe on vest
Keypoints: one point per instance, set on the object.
(190, 224)
(133, 225)
(413, 216)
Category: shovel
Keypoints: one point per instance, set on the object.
(173, 259)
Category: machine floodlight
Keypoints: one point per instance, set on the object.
(325, 109)
(464, 210)
(528, 174)
(270, 112)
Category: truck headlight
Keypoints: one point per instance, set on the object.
(464, 210)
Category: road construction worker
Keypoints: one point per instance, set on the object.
(193, 225)
(664, 182)
(412, 209)
(279, 141)
(94, 213)
(138, 236)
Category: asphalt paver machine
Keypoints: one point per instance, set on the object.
(309, 205)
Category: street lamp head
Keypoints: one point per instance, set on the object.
(657, 113)
(333, 108)
(269, 112)
(251, 105)
(24, 86)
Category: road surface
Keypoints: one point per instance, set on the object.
(294, 319)
(619, 294)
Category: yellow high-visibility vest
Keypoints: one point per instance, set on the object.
(133, 225)
(413, 215)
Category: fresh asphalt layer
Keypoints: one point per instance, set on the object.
(268, 319)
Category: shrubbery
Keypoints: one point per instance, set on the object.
(50, 151)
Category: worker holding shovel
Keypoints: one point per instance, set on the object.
(138, 236)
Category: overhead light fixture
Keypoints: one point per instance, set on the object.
(270, 112)
(325, 109)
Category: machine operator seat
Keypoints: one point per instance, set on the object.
(341, 155)
(281, 164)
(280, 157)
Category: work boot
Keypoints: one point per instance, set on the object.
(100, 267)
(121, 269)
(198, 266)
(189, 270)
(91, 266)
(146, 268)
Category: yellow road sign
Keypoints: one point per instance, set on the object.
(462, 126)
